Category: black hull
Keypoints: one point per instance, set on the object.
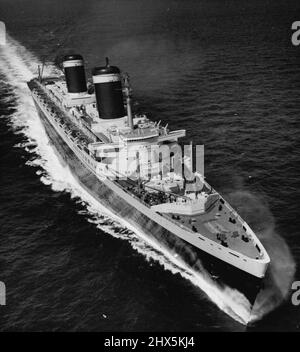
(220, 272)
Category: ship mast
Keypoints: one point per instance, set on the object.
(128, 100)
(192, 157)
(41, 71)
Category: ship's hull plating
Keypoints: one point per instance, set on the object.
(220, 271)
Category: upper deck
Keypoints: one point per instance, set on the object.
(83, 108)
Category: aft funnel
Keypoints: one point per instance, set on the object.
(108, 90)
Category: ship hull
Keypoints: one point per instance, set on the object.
(220, 272)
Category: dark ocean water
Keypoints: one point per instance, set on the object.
(226, 71)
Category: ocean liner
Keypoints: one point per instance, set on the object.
(135, 167)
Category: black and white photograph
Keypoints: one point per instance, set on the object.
(149, 168)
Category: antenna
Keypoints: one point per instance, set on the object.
(138, 171)
(192, 156)
(128, 100)
(41, 70)
(165, 129)
(39, 73)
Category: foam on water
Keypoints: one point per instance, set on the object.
(19, 66)
(281, 271)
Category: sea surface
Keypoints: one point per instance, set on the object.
(224, 70)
